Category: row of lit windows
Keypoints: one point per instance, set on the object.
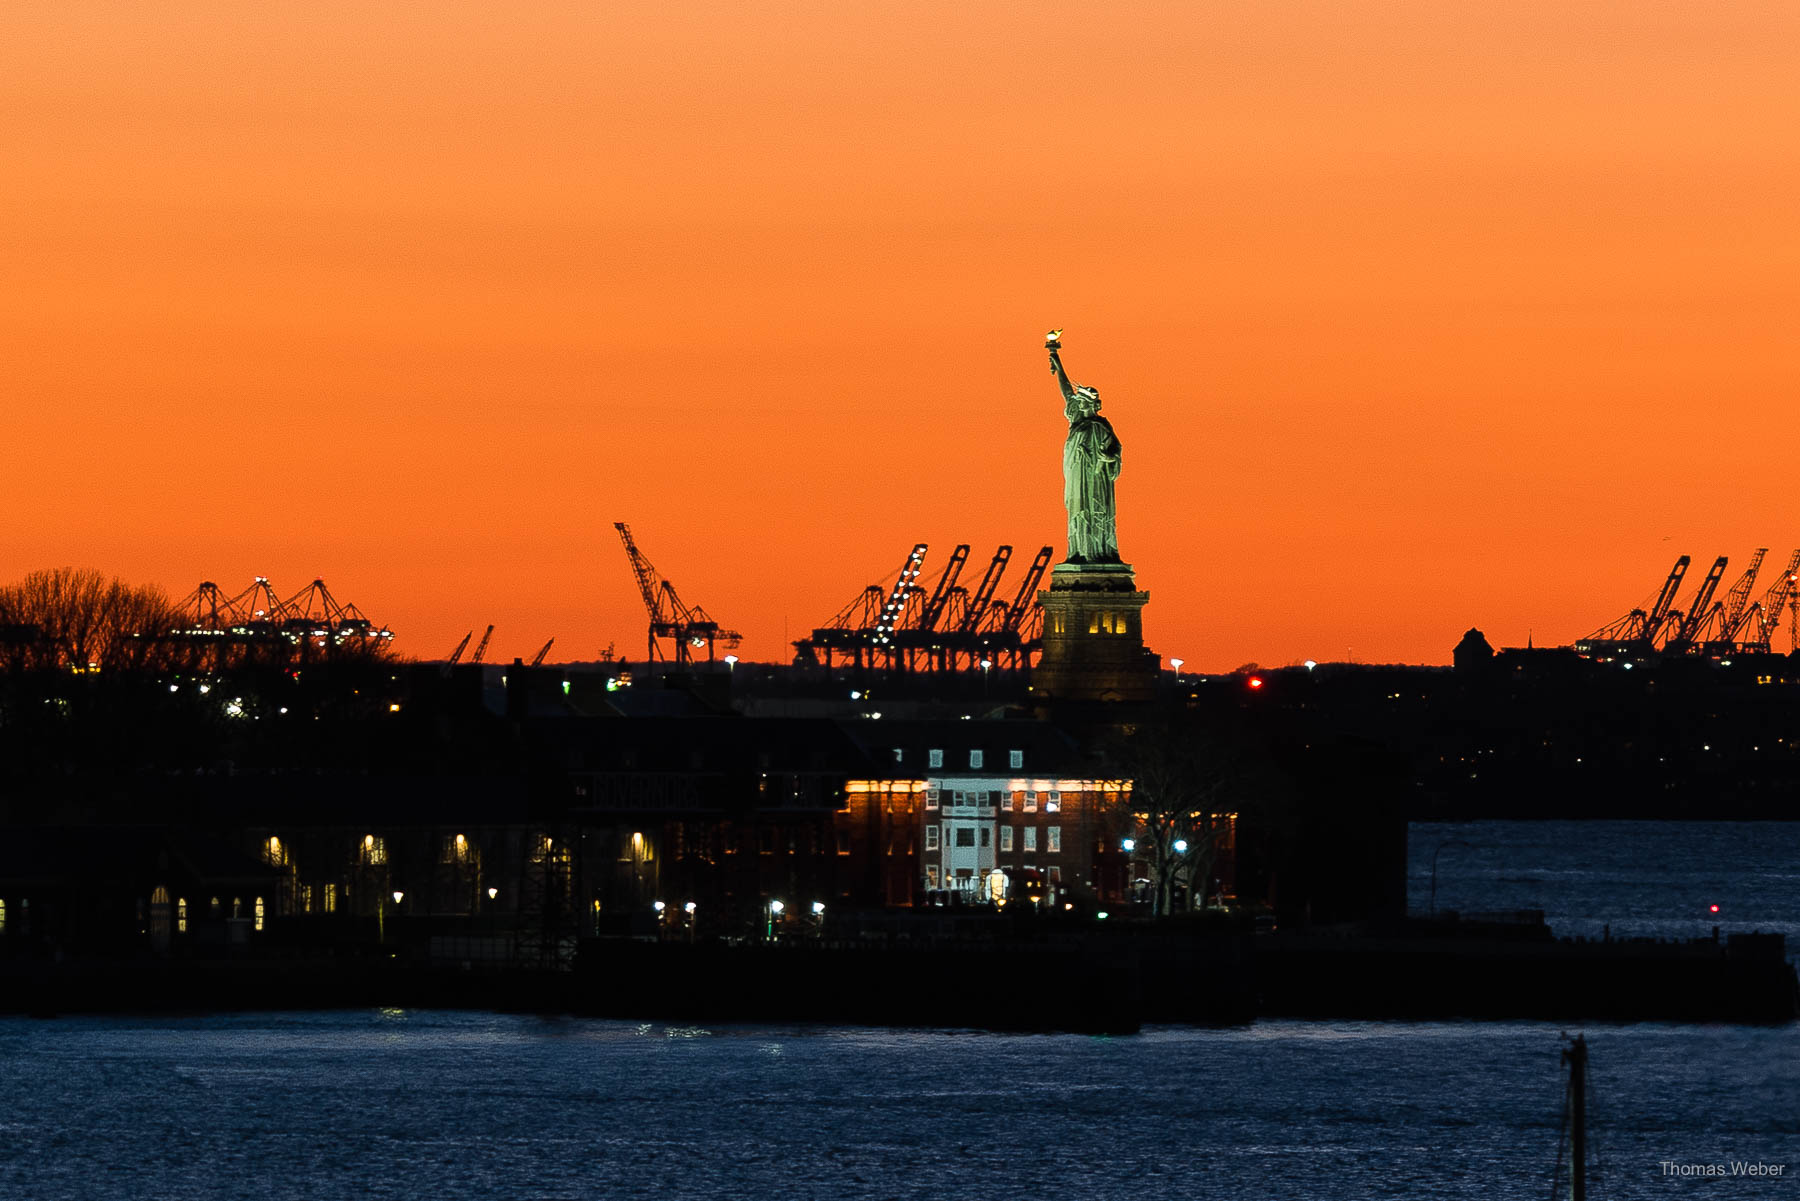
(969, 836)
(977, 759)
(1027, 798)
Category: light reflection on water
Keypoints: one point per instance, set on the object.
(459, 1104)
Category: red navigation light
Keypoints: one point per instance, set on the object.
(1256, 681)
(1714, 908)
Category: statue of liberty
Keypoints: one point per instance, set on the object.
(1091, 458)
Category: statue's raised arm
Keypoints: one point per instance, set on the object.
(1071, 391)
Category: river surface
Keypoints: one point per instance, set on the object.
(431, 1104)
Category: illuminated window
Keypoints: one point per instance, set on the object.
(931, 837)
(181, 915)
(1015, 759)
(1031, 802)
(275, 852)
(215, 906)
(1006, 838)
(2, 917)
(1054, 836)
(331, 898)
(1053, 802)
(1031, 838)
(843, 842)
(373, 852)
(259, 913)
(931, 877)
(975, 758)
(934, 758)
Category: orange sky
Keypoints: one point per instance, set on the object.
(1411, 316)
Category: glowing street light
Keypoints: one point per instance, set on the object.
(1181, 846)
(1128, 845)
(776, 907)
(1176, 664)
(690, 907)
(492, 893)
(818, 908)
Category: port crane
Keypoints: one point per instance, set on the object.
(543, 650)
(687, 628)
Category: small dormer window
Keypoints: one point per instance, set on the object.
(974, 759)
(1015, 759)
(899, 754)
(934, 757)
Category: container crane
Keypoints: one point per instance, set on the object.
(543, 650)
(1687, 629)
(481, 647)
(688, 629)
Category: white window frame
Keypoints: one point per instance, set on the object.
(931, 798)
(975, 758)
(1015, 759)
(1053, 839)
(934, 757)
(1030, 801)
(1030, 838)
(1006, 838)
(931, 837)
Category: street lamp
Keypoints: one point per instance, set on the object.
(398, 897)
(1128, 845)
(775, 908)
(1181, 845)
(1176, 664)
(818, 908)
(492, 893)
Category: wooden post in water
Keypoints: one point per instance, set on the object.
(1576, 1058)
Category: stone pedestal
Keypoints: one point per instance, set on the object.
(1094, 637)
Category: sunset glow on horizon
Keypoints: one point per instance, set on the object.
(1411, 317)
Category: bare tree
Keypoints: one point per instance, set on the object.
(1184, 793)
(81, 621)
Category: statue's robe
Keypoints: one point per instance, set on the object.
(1091, 458)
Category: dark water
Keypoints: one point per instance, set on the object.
(1641, 879)
(433, 1104)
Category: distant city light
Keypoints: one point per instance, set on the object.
(690, 907)
(776, 906)
(818, 908)
(1256, 681)
(658, 906)
(1310, 664)
(1712, 908)
(1102, 915)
